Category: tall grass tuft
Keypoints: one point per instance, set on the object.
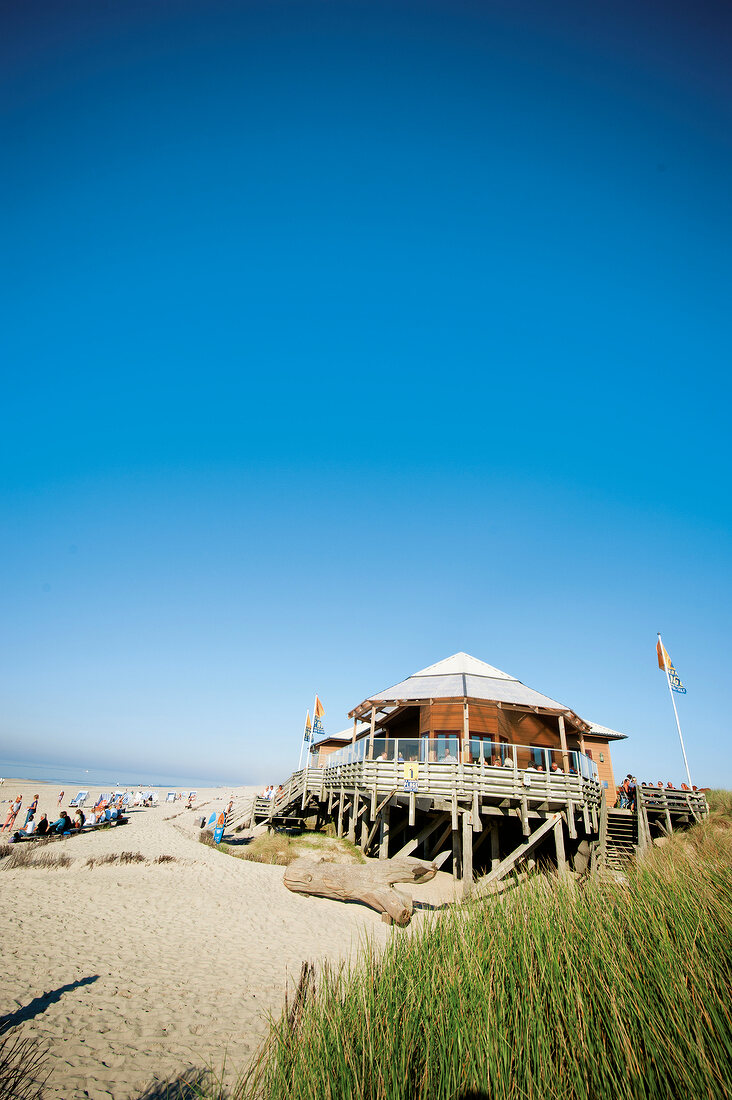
(23, 1068)
(606, 992)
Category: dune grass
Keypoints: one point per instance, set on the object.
(23, 1068)
(281, 848)
(556, 992)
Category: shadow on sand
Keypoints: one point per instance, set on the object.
(40, 1004)
(188, 1085)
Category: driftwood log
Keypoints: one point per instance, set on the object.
(371, 883)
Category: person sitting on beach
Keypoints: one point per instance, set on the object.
(63, 825)
(27, 830)
(42, 826)
(79, 819)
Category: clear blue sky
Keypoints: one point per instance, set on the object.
(339, 337)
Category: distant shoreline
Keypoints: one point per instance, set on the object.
(70, 774)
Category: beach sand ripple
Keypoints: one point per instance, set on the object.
(136, 972)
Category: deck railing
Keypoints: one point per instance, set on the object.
(452, 750)
(444, 779)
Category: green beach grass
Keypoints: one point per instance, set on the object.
(556, 991)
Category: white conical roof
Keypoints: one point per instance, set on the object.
(462, 676)
(464, 665)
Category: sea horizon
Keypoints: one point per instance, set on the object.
(55, 772)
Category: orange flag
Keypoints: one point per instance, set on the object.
(319, 709)
(661, 653)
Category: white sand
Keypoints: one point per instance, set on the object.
(180, 961)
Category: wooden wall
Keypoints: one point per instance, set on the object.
(604, 767)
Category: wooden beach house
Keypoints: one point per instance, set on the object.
(462, 763)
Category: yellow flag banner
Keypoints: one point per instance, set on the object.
(665, 663)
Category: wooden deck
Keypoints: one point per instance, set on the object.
(448, 811)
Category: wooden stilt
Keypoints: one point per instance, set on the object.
(384, 833)
(456, 861)
(442, 839)
(495, 847)
(467, 855)
(477, 823)
(525, 816)
(423, 835)
(518, 853)
(570, 820)
(353, 817)
(339, 830)
(559, 845)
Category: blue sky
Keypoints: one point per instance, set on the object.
(340, 337)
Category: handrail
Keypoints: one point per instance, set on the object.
(453, 750)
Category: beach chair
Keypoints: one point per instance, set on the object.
(170, 797)
(103, 797)
(79, 800)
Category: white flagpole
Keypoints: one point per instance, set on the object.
(311, 742)
(302, 743)
(676, 713)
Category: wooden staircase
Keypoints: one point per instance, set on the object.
(622, 838)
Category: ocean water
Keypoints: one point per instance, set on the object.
(70, 774)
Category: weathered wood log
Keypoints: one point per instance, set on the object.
(371, 883)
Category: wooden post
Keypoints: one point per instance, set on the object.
(602, 855)
(467, 855)
(355, 723)
(466, 732)
(495, 847)
(570, 820)
(477, 823)
(456, 863)
(384, 833)
(353, 817)
(525, 816)
(669, 822)
(559, 845)
(371, 734)
(563, 743)
(339, 830)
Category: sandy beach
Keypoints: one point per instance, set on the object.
(132, 973)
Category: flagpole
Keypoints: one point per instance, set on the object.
(676, 713)
(311, 742)
(302, 743)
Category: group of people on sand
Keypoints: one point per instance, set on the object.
(64, 825)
